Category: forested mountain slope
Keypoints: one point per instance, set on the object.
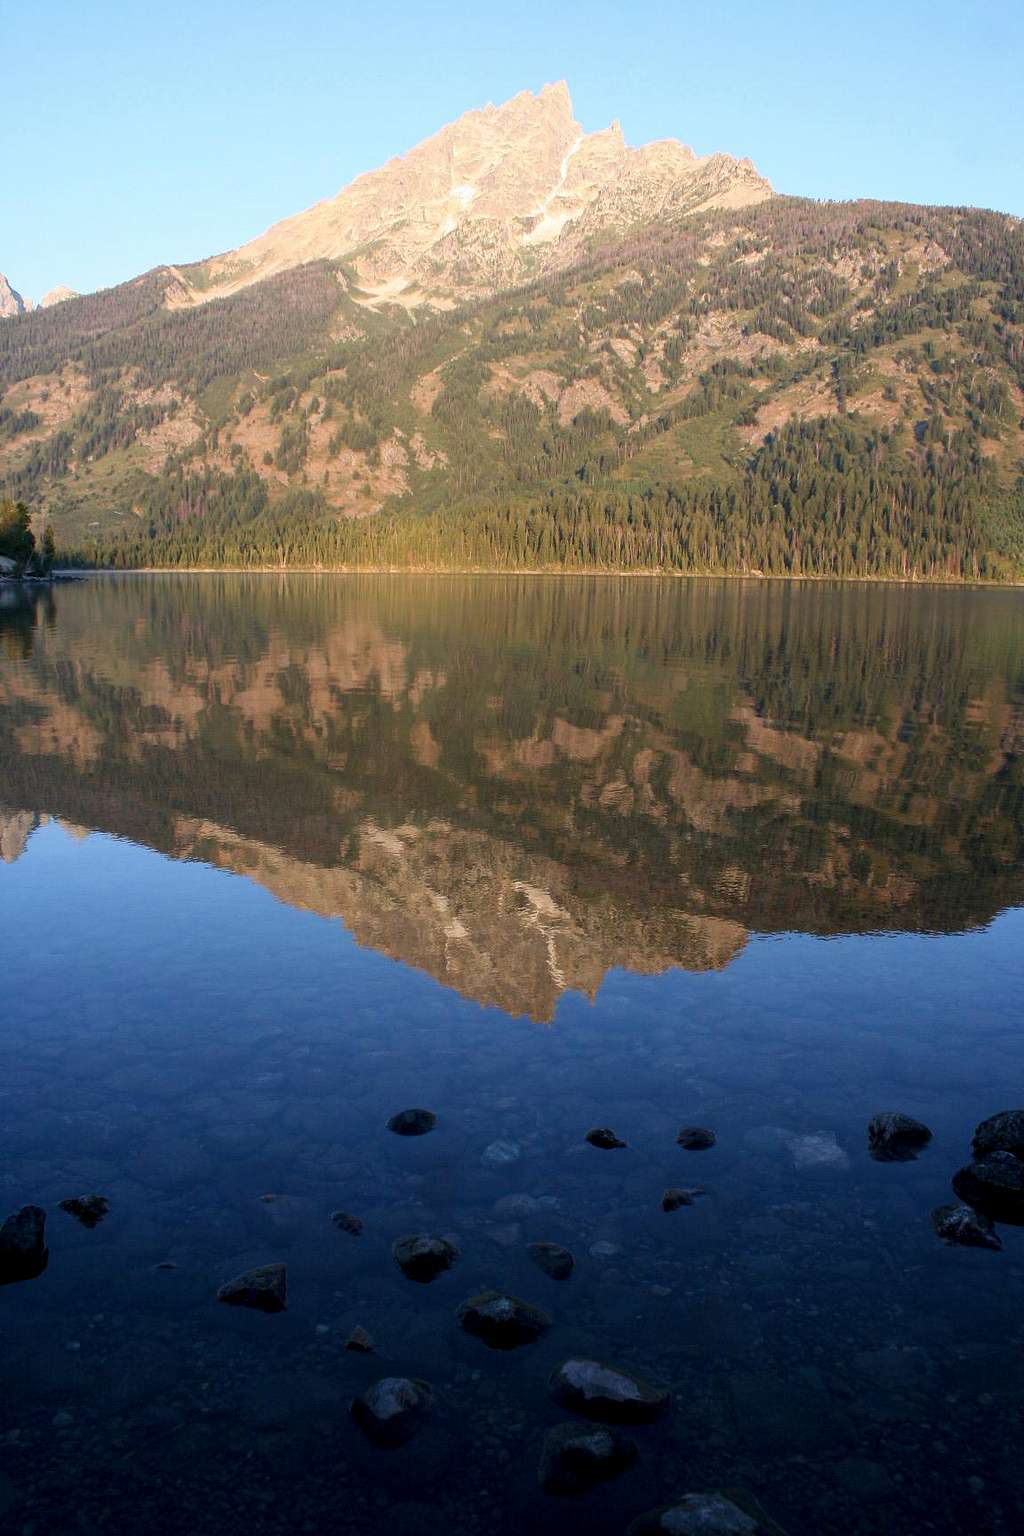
(786, 386)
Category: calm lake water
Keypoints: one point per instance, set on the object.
(282, 857)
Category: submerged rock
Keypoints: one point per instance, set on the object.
(265, 1289)
(412, 1122)
(88, 1209)
(994, 1185)
(601, 1136)
(672, 1199)
(23, 1251)
(422, 1258)
(518, 1206)
(577, 1456)
(896, 1138)
(968, 1228)
(346, 1222)
(553, 1259)
(605, 1392)
(706, 1514)
(696, 1138)
(500, 1153)
(507, 1236)
(1000, 1133)
(359, 1341)
(502, 1322)
(391, 1410)
(820, 1149)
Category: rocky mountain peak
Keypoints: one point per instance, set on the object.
(501, 194)
(11, 301)
(57, 296)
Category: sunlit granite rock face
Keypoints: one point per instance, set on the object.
(11, 302)
(57, 295)
(500, 193)
(520, 788)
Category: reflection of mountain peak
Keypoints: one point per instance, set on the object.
(494, 921)
(16, 827)
(519, 786)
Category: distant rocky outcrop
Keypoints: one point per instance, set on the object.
(14, 303)
(11, 301)
(57, 296)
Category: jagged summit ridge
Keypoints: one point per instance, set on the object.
(501, 193)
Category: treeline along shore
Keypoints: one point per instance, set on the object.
(827, 499)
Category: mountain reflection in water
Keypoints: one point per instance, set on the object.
(517, 785)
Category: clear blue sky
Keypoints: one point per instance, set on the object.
(132, 133)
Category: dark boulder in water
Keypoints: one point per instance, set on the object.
(502, 1322)
(391, 1410)
(696, 1138)
(605, 1392)
(575, 1457)
(88, 1209)
(264, 1289)
(346, 1222)
(23, 1251)
(734, 1513)
(601, 1136)
(359, 1341)
(673, 1199)
(896, 1138)
(994, 1185)
(412, 1122)
(1000, 1133)
(553, 1259)
(422, 1258)
(960, 1225)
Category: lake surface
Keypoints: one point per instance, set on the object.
(284, 856)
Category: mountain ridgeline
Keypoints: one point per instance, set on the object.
(525, 347)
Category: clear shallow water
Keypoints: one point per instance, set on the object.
(537, 855)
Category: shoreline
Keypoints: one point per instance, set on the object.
(957, 583)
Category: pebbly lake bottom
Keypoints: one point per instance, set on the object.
(177, 1040)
